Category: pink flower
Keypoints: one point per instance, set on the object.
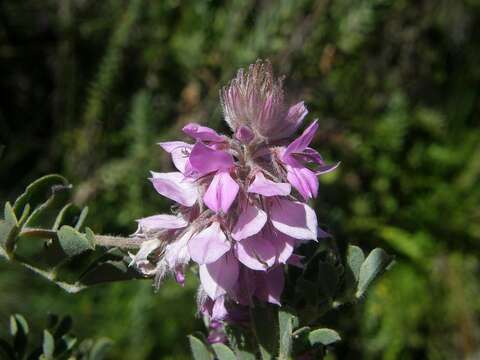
(241, 202)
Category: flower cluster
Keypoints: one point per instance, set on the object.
(241, 202)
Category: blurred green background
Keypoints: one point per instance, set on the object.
(88, 87)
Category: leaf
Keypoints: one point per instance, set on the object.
(81, 219)
(9, 229)
(324, 337)
(285, 324)
(355, 258)
(100, 349)
(223, 352)
(374, 265)
(73, 242)
(9, 214)
(59, 220)
(48, 345)
(198, 348)
(265, 327)
(19, 330)
(36, 190)
(109, 271)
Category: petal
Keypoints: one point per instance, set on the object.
(204, 159)
(293, 119)
(326, 169)
(310, 155)
(294, 219)
(208, 245)
(180, 152)
(284, 246)
(265, 187)
(175, 186)
(202, 133)
(250, 222)
(256, 252)
(177, 253)
(219, 277)
(245, 286)
(270, 285)
(146, 249)
(219, 311)
(162, 221)
(302, 142)
(221, 192)
(302, 179)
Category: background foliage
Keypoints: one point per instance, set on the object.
(88, 88)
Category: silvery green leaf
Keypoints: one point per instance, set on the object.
(35, 192)
(223, 352)
(73, 242)
(100, 349)
(109, 271)
(81, 219)
(373, 266)
(59, 220)
(19, 330)
(198, 348)
(285, 323)
(323, 336)
(355, 259)
(8, 229)
(48, 345)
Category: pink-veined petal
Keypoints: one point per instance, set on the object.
(295, 115)
(302, 142)
(294, 219)
(250, 221)
(219, 277)
(208, 245)
(180, 152)
(204, 159)
(202, 133)
(310, 155)
(327, 168)
(219, 311)
(270, 285)
(175, 186)
(284, 246)
(302, 179)
(162, 221)
(256, 252)
(177, 252)
(221, 192)
(145, 249)
(265, 187)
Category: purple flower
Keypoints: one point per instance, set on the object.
(241, 202)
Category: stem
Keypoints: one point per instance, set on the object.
(100, 240)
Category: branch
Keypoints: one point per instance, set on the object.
(100, 240)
